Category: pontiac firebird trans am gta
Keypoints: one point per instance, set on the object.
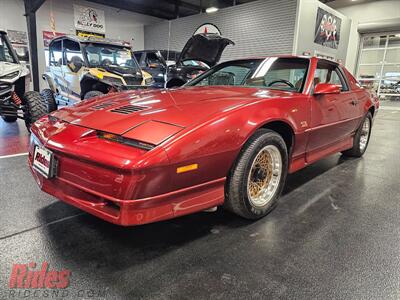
(228, 137)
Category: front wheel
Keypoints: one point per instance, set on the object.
(48, 98)
(35, 108)
(361, 138)
(258, 176)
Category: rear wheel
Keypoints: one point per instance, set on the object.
(48, 97)
(361, 138)
(35, 108)
(258, 176)
(92, 94)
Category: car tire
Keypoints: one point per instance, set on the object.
(361, 138)
(92, 94)
(48, 97)
(35, 108)
(242, 195)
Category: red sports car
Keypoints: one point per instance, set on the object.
(228, 137)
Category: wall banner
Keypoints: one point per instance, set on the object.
(89, 19)
(327, 29)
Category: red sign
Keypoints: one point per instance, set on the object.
(48, 36)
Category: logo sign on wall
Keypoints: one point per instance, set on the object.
(327, 29)
(89, 19)
(207, 28)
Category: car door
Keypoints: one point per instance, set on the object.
(55, 66)
(333, 116)
(72, 69)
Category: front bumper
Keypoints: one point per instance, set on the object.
(137, 211)
(99, 182)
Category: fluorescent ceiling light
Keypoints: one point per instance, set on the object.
(211, 9)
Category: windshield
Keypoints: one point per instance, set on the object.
(5, 51)
(286, 74)
(107, 55)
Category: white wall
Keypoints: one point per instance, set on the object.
(120, 24)
(12, 15)
(307, 17)
(367, 12)
(259, 28)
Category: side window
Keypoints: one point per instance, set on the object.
(329, 73)
(73, 55)
(138, 57)
(152, 60)
(55, 56)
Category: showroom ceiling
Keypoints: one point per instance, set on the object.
(169, 9)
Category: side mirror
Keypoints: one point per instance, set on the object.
(326, 88)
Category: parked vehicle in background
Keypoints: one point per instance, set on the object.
(172, 68)
(156, 63)
(228, 137)
(16, 101)
(82, 68)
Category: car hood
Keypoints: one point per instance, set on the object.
(152, 116)
(7, 68)
(205, 47)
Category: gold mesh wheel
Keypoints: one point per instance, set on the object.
(264, 176)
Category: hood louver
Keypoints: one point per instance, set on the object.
(127, 109)
(102, 105)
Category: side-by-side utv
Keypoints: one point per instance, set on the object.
(16, 101)
(81, 68)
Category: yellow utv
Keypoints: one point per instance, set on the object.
(82, 68)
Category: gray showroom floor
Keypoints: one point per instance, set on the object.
(335, 234)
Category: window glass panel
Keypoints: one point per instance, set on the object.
(274, 73)
(392, 55)
(153, 60)
(394, 40)
(369, 71)
(372, 56)
(390, 86)
(374, 42)
(391, 71)
(56, 54)
(369, 84)
(5, 52)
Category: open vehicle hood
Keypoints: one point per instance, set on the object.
(205, 47)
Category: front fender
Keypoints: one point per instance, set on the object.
(216, 143)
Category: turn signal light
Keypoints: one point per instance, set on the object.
(187, 168)
(119, 139)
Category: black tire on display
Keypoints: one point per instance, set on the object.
(263, 160)
(92, 94)
(361, 138)
(35, 108)
(48, 98)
